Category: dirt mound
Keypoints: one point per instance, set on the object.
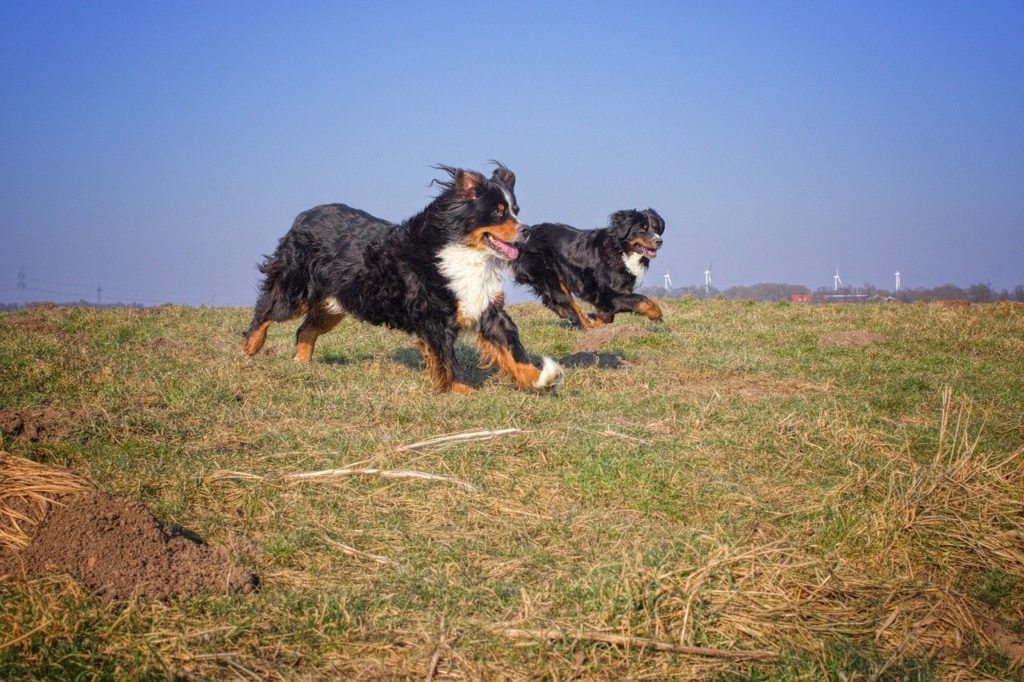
(595, 339)
(34, 425)
(117, 548)
(851, 339)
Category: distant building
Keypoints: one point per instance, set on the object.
(800, 298)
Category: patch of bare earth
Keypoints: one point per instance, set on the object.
(35, 425)
(41, 321)
(597, 338)
(856, 338)
(118, 549)
(114, 546)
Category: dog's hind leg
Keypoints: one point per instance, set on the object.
(273, 305)
(254, 337)
(321, 319)
(557, 308)
(439, 355)
(565, 300)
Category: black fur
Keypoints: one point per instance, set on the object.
(561, 262)
(338, 260)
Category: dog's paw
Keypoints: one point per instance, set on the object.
(649, 309)
(552, 376)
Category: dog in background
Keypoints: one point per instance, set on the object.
(435, 275)
(602, 266)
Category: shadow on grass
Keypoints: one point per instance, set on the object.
(340, 360)
(614, 360)
(473, 375)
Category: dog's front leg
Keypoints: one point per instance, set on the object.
(637, 303)
(499, 344)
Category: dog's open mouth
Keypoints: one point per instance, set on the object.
(645, 250)
(502, 248)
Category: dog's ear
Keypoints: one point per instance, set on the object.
(503, 175)
(621, 222)
(654, 221)
(465, 183)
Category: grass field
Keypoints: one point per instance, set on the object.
(835, 488)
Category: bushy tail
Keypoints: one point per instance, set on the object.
(276, 303)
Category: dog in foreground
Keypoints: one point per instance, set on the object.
(435, 275)
(602, 267)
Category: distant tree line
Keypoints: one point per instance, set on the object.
(763, 291)
(772, 291)
(82, 303)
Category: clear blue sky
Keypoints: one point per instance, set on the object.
(161, 147)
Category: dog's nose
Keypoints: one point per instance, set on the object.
(523, 233)
(657, 240)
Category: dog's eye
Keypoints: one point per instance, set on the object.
(498, 212)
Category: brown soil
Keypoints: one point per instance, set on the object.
(851, 339)
(595, 339)
(117, 548)
(35, 425)
(1007, 642)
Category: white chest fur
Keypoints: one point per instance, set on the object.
(473, 276)
(635, 266)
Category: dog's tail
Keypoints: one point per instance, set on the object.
(279, 299)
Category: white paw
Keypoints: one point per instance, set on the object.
(552, 375)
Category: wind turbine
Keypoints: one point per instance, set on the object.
(668, 282)
(836, 281)
(897, 281)
(707, 279)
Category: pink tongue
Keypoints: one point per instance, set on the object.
(510, 251)
(650, 253)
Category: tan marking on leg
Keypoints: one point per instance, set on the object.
(319, 322)
(648, 309)
(252, 344)
(441, 377)
(462, 389)
(585, 320)
(525, 375)
(304, 346)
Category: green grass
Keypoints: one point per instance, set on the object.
(745, 481)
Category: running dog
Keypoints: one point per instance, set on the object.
(602, 267)
(435, 275)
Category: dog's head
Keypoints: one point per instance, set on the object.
(638, 231)
(483, 213)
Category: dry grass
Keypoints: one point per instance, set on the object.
(964, 505)
(27, 489)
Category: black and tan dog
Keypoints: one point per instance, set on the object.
(434, 275)
(602, 267)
